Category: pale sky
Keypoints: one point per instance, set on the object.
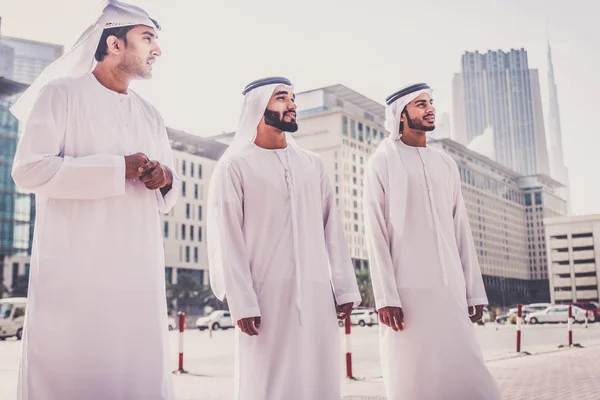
(212, 49)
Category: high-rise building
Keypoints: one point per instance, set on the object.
(497, 92)
(30, 57)
(184, 227)
(558, 170)
(15, 207)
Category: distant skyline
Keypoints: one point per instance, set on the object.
(210, 51)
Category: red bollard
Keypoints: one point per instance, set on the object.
(347, 325)
(519, 315)
(570, 326)
(181, 322)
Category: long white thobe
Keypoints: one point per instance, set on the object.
(285, 257)
(428, 267)
(96, 325)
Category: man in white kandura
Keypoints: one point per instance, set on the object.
(98, 159)
(426, 278)
(278, 252)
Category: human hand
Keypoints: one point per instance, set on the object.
(132, 164)
(154, 175)
(249, 325)
(344, 310)
(476, 313)
(392, 317)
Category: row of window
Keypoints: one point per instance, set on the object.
(184, 232)
(188, 212)
(184, 170)
(198, 190)
(360, 131)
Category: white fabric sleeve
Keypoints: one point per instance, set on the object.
(466, 247)
(166, 202)
(381, 266)
(41, 167)
(239, 289)
(343, 278)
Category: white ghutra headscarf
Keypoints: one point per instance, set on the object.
(79, 60)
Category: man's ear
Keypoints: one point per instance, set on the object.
(112, 45)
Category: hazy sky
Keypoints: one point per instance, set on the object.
(212, 49)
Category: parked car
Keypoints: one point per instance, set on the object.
(220, 319)
(511, 316)
(592, 308)
(364, 317)
(12, 317)
(556, 314)
(536, 307)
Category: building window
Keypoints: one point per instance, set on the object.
(352, 129)
(199, 171)
(187, 253)
(183, 189)
(355, 228)
(538, 198)
(192, 169)
(183, 231)
(191, 233)
(345, 126)
(360, 132)
(199, 213)
(356, 216)
(166, 229)
(196, 255)
(195, 190)
(199, 233)
(187, 211)
(183, 167)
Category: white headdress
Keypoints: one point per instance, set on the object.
(396, 103)
(79, 60)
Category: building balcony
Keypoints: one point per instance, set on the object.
(579, 268)
(585, 295)
(559, 243)
(556, 256)
(583, 255)
(586, 281)
(563, 296)
(561, 282)
(563, 269)
(581, 242)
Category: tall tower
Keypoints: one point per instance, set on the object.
(558, 170)
(497, 93)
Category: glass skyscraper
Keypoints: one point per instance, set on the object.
(497, 93)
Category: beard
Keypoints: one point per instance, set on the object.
(275, 119)
(417, 124)
(134, 66)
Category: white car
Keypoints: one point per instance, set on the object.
(12, 317)
(364, 317)
(536, 307)
(555, 314)
(220, 319)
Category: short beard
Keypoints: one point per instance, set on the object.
(415, 124)
(275, 119)
(130, 64)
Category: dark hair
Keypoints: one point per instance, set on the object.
(119, 32)
(402, 123)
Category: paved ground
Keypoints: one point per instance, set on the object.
(548, 374)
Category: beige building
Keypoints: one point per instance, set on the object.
(574, 262)
(184, 228)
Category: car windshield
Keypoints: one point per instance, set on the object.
(5, 309)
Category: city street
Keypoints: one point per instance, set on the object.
(210, 364)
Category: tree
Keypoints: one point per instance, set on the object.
(363, 278)
(188, 292)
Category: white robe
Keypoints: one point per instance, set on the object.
(283, 252)
(429, 268)
(96, 325)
